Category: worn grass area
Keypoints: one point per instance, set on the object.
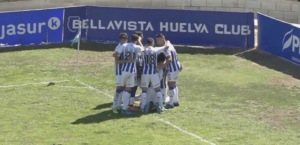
(224, 99)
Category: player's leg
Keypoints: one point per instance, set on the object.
(127, 92)
(118, 93)
(151, 96)
(156, 85)
(176, 99)
(123, 84)
(173, 83)
(149, 99)
(120, 97)
(163, 88)
(115, 100)
(132, 94)
(145, 83)
(139, 82)
(172, 78)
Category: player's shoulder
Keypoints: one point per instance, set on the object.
(171, 47)
(138, 46)
(159, 49)
(128, 45)
(135, 45)
(124, 44)
(150, 48)
(119, 46)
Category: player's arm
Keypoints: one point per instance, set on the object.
(181, 67)
(116, 54)
(163, 48)
(168, 61)
(140, 44)
(118, 51)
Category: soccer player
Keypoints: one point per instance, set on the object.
(119, 60)
(137, 80)
(150, 73)
(174, 69)
(163, 85)
(131, 51)
(151, 93)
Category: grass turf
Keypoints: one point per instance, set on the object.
(224, 99)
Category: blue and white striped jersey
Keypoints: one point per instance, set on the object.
(131, 51)
(174, 65)
(119, 49)
(150, 58)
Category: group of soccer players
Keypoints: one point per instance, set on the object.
(147, 67)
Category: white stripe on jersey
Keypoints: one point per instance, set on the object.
(150, 59)
(131, 51)
(121, 57)
(174, 65)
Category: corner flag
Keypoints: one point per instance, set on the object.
(77, 40)
(77, 37)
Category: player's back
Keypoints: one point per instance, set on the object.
(121, 57)
(149, 60)
(174, 65)
(131, 51)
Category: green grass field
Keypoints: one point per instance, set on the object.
(225, 99)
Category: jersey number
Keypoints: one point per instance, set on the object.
(129, 55)
(150, 59)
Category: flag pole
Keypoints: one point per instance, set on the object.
(78, 45)
(77, 59)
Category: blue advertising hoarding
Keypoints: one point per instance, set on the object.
(279, 38)
(73, 18)
(206, 28)
(31, 27)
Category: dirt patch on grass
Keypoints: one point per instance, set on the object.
(281, 118)
(290, 83)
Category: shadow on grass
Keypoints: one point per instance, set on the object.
(104, 115)
(273, 62)
(102, 106)
(93, 46)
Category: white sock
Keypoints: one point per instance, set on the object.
(143, 99)
(115, 101)
(132, 100)
(160, 98)
(172, 93)
(126, 99)
(120, 99)
(176, 100)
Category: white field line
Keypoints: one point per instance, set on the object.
(26, 84)
(162, 120)
(244, 51)
(72, 87)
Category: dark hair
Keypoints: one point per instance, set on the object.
(160, 35)
(134, 37)
(150, 41)
(139, 33)
(123, 36)
(161, 57)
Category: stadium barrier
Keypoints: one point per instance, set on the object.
(103, 24)
(279, 38)
(31, 27)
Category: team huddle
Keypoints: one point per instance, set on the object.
(149, 68)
